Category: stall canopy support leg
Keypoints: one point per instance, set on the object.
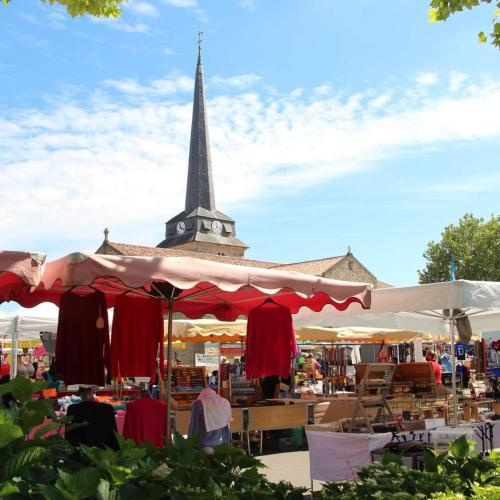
(14, 344)
(453, 372)
(169, 364)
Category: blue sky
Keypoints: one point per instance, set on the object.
(332, 124)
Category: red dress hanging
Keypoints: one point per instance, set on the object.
(270, 341)
(137, 336)
(82, 349)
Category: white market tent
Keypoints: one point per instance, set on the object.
(421, 308)
(28, 327)
(417, 308)
(15, 327)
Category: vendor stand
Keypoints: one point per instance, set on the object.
(190, 286)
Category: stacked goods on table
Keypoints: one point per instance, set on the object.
(187, 383)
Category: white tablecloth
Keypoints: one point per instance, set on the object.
(443, 435)
(336, 456)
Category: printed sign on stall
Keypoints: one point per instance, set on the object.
(206, 360)
(232, 351)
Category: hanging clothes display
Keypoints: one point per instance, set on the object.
(383, 355)
(137, 337)
(82, 345)
(271, 342)
(419, 351)
(145, 420)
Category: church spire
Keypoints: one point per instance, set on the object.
(200, 190)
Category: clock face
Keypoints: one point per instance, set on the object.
(217, 226)
(181, 227)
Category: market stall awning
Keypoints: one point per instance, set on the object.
(209, 330)
(19, 271)
(354, 335)
(190, 286)
(418, 308)
(445, 303)
(197, 287)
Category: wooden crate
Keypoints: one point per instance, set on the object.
(183, 400)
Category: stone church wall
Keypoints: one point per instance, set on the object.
(211, 248)
(349, 269)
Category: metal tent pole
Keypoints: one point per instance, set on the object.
(453, 371)
(169, 363)
(14, 344)
(219, 382)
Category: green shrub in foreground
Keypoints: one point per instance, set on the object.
(458, 473)
(53, 469)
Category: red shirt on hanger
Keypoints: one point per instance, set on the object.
(137, 336)
(82, 349)
(271, 342)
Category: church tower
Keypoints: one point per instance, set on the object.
(200, 227)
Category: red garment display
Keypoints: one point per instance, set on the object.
(145, 420)
(5, 369)
(137, 336)
(82, 349)
(270, 341)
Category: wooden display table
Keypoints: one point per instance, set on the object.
(266, 418)
(182, 418)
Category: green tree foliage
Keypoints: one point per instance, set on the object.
(474, 245)
(96, 8)
(440, 10)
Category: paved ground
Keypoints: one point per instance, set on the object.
(292, 467)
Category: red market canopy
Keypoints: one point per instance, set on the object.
(193, 287)
(197, 287)
(19, 272)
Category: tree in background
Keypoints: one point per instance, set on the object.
(96, 8)
(440, 10)
(474, 245)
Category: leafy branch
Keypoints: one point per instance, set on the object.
(440, 10)
(95, 8)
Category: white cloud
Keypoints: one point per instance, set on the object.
(159, 87)
(324, 89)
(142, 8)
(240, 81)
(426, 79)
(248, 4)
(168, 52)
(120, 161)
(131, 28)
(457, 79)
(120, 25)
(470, 184)
(182, 3)
(380, 101)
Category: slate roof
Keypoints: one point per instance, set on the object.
(143, 251)
(200, 190)
(315, 267)
(382, 284)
